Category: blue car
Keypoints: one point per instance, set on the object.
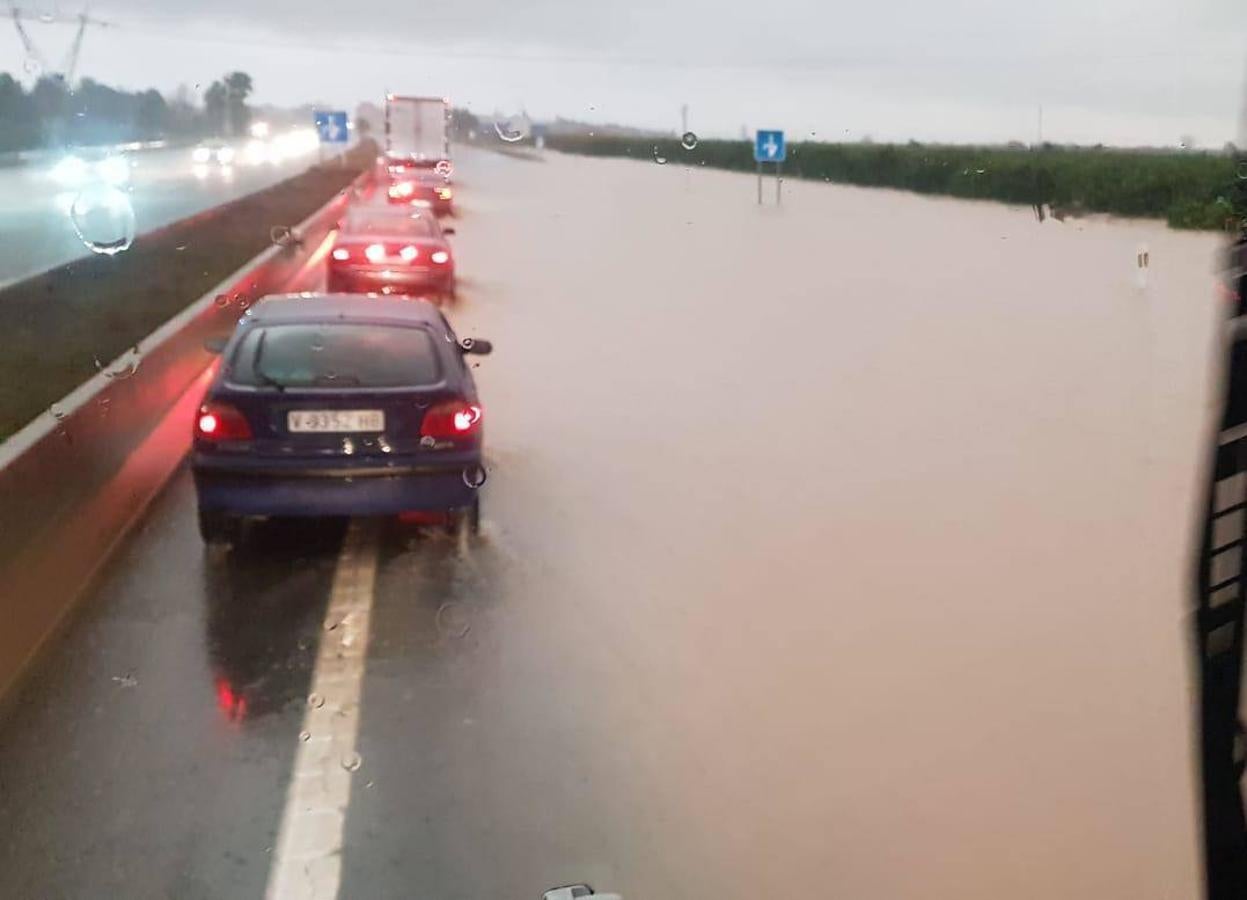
(339, 405)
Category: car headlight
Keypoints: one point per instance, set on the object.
(70, 171)
(113, 170)
(201, 154)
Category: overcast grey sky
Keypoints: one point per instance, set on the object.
(1117, 71)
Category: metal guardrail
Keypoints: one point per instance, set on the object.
(1220, 602)
(74, 480)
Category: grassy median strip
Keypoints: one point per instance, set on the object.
(1188, 189)
(56, 329)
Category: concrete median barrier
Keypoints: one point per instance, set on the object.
(73, 481)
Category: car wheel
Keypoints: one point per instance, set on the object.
(218, 528)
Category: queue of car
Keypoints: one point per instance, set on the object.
(357, 400)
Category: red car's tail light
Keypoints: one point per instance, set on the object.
(341, 253)
(440, 257)
(408, 253)
(455, 418)
(402, 189)
(374, 252)
(220, 422)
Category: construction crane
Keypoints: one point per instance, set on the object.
(70, 68)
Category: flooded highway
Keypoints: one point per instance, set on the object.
(840, 546)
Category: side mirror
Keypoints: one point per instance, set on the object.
(448, 230)
(476, 346)
(215, 345)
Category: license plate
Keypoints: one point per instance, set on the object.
(330, 420)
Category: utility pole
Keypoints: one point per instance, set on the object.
(70, 69)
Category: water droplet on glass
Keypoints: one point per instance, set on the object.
(31, 66)
(57, 412)
(658, 157)
(305, 736)
(688, 141)
(315, 701)
(443, 168)
(512, 128)
(103, 219)
(318, 343)
(428, 441)
(222, 300)
(126, 681)
(281, 235)
(1242, 170)
(352, 761)
(123, 370)
(474, 476)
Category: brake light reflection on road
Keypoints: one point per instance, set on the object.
(232, 704)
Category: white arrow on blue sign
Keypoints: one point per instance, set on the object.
(768, 146)
(331, 126)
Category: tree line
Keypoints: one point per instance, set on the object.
(1187, 189)
(52, 114)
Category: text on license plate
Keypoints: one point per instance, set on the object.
(336, 420)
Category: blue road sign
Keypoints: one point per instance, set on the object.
(331, 126)
(768, 146)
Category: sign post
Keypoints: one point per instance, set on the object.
(331, 128)
(769, 147)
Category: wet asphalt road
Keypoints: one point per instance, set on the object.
(813, 557)
(37, 230)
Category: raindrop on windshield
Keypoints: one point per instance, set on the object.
(305, 736)
(281, 235)
(443, 168)
(31, 66)
(318, 343)
(1242, 170)
(474, 476)
(103, 219)
(688, 141)
(512, 128)
(352, 761)
(315, 701)
(222, 300)
(658, 157)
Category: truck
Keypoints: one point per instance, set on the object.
(417, 131)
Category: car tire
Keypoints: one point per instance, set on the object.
(219, 529)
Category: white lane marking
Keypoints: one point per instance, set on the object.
(308, 859)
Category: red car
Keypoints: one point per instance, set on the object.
(421, 189)
(390, 250)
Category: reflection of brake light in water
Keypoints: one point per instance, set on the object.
(231, 704)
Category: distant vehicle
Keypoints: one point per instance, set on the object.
(214, 151)
(417, 132)
(419, 188)
(392, 250)
(86, 166)
(339, 406)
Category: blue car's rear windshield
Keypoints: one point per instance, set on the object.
(336, 356)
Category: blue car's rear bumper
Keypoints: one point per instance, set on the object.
(364, 492)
